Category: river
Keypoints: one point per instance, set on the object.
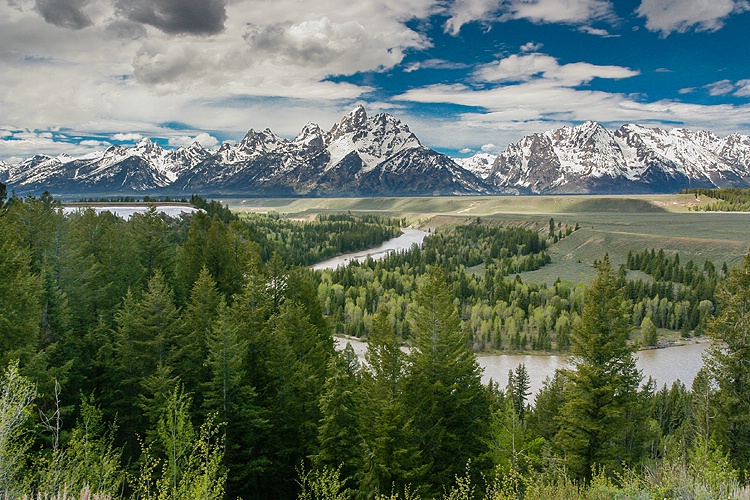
(664, 365)
(408, 238)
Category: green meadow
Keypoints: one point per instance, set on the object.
(608, 224)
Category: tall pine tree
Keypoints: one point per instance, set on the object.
(449, 406)
(600, 420)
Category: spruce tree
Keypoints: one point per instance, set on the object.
(727, 364)
(388, 448)
(600, 422)
(338, 433)
(449, 406)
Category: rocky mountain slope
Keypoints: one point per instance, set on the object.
(633, 159)
(380, 156)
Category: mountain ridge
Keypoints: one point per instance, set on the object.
(379, 155)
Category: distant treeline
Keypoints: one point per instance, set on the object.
(730, 199)
(482, 262)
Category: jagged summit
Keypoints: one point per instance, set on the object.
(379, 155)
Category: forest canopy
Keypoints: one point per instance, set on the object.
(194, 357)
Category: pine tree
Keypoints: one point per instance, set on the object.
(228, 394)
(449, 405)
(518, 390)
(600, 420)
(389, 454)
(727, 365)
(20, 296)
(338, 433)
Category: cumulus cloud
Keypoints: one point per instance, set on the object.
(127, 137)
(65, 13)
(465, 11)
(177, 17)
(204, 139)
(680, 16)
(537, 11)
(531, 47)
(490, 148)
(341, 47)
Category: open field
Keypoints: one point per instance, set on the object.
(609, 224)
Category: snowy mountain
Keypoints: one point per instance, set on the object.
(359, 155)
(380, 156)
(634, 159)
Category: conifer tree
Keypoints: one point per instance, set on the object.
(600, 420)
(389, 455)
(20, 296)
(443, 389)
(727, 364)
(338, 433)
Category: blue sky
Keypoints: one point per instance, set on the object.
(467, 76)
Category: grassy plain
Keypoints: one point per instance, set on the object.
(609, 224)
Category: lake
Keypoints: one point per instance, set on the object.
(407, 238)
(663, 365)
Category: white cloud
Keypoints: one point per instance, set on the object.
(529, 94)
(597, 32)
(123, 77)
(560, 11)
(489, 148)
(722, 87)
(434, 64)
(465, 151)
(743, 88)
(529, 67)
(466, 11)
(680, 16)
(531, 47)
(90, 143)
(537, 11)
(204, 139)
(128, 137)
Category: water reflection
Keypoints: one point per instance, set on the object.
(663, 365)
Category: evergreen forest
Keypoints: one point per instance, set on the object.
(194, 357)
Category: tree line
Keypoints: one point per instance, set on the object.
(729, 199)
(482, 262)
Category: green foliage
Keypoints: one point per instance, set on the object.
(600, 420)
(731, 199)
(16, 396)
(323, 484)
(171, 323)
(449, 406)
(727, 366)
(20, 295)
(648, 332)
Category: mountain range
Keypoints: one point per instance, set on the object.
(380, 156)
